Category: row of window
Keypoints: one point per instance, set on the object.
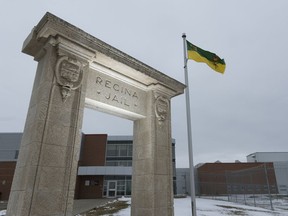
(119, 150)
(125, 163)
(119, 154)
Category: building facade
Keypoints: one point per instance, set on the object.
(104, 167)
(280, 162)
(267, 157)
(263, 172)
(183, 181)
(281, 172)
(9, 150)
(236, 178)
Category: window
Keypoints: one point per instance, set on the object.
(122, 150)
(87, 182)
(111, 163)
(119, 162)
(119, 154)
(16, 154)
(129, 150)
(119, 150)
(112, 150)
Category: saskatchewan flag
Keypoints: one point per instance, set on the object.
(211, 59)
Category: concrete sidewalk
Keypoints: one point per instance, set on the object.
(80, 206)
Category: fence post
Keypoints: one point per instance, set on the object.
(268, 187)
(243, 187)
(227, 185)
(253, 186)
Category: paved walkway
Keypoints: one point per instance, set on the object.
(80, 206)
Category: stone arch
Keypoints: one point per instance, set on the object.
(76, 70)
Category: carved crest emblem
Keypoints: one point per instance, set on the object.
(161, 109)
(69, 74)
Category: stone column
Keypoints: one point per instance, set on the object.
(152, 181)
(45, 175)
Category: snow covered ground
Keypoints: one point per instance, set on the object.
(209, 207)
(3, 212)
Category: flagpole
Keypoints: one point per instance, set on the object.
(189, 130)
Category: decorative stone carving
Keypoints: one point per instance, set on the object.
(69, 74)
(161, 109)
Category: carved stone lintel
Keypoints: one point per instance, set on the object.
(161, 109)
(69, 74)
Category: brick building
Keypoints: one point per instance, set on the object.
(104, 168)
(236, 178)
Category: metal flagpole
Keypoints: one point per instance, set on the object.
(189, 130)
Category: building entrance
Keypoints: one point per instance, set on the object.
(111, 189)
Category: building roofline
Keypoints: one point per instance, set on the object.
(266, 153)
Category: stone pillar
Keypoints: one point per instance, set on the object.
(152, 181)
(45, 175)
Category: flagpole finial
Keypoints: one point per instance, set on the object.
(183, 35)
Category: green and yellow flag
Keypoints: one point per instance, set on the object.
(211, 59)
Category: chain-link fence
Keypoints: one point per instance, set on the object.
(252, 186)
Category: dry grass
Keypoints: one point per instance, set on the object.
(109, 208)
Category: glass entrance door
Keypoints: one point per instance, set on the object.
(111, 189)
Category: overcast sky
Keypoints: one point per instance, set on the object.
(233, 115)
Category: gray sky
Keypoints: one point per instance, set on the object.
(233, 115)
